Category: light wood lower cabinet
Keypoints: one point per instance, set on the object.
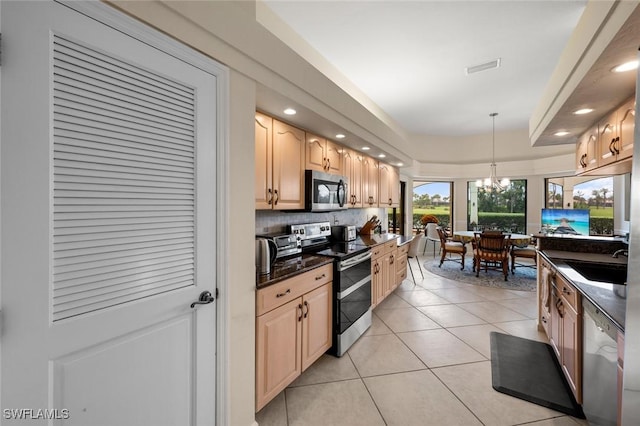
(562, 320)
(293, 329)
(386, 270)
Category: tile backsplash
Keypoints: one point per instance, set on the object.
(268, 221)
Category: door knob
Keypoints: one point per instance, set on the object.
(204, 299)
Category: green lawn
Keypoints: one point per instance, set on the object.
(432, 210)
(606, 212)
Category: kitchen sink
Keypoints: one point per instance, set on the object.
(615, 273)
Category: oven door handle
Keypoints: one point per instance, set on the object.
(365, 281)
(348, 263)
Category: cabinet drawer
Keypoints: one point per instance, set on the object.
(390, 245)
(567, 291)
(280, 293)
(377, 251)
(403, 249)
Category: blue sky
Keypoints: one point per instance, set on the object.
(587, 187)
(433, 188)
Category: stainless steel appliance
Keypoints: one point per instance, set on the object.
(600, 367)
(265, 255)
(325, 192)
(351, 282)
(343, 233)
(285, 244)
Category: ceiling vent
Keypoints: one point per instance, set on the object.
(482, 67)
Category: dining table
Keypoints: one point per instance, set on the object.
(468, 236)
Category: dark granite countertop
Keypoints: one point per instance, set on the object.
(290, 267)
(375, 239)
(609, 298)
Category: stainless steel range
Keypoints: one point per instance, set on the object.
(351, 282)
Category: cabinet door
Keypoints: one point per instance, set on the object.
(388, 264)
(401, 269)
(333, 155)
(587, 151)
(394, 187)
(370, 182)
(571, 349)
(264, 162)
(377, 284)
(545, 302)
(607, 134)
(352, 168)
(315, 153)
(626, 125)
(384, 185)
(391, 273)
(316, 324)
(288, 166)
(278, 350)
(555, 336)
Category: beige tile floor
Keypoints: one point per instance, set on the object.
(424, 361)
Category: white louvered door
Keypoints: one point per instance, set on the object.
(108, 223)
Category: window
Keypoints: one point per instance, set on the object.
(554, 195)
(597, 196)
(432, 198)
(504, 210)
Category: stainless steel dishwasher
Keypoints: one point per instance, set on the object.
(600, 361)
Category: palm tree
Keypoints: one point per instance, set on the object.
(604, 196)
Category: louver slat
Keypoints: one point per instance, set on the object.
(123, 181)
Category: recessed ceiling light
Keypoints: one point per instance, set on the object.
(340, 136)
(290, 111)
(583, 111)
(365, 148)
(381, 155)
(627, 66)
(561, 133)
(400, 164)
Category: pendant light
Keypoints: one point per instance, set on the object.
(492, 183)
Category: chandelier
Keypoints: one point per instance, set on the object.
(492, 183)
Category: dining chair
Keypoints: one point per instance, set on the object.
(413, 252)
(491, 250)
(527, 251)
(451, 247)
(430, 231)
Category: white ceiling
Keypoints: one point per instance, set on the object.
(409, 57)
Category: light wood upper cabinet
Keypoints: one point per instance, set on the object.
(613, 143)
(626, 117)
(616, 134)
(370, 182)
(352, 167)
(323, 155)
(264, 162)
(607, 133)
(587, 151)
(279, 174)
(388, 186)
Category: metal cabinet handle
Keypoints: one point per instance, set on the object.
(270, 200)
(204, 299)
(275, 191)
(616, 145)
(300, 307)
(306, 305)
(328, 164)
(284, 294)
(611, 146)
(319, 277)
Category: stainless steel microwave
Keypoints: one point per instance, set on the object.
(325, 192)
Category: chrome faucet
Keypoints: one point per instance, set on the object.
(623, 252)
